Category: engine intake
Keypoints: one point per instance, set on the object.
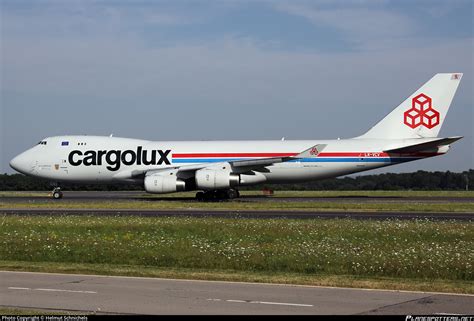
(211, 179)
(164, 183)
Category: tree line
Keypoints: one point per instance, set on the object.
(420, 180)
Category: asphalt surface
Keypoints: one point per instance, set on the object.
(133, 295)
(97, 196)
(138, 196)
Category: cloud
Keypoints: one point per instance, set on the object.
(95, 73)
(229, 72)
(383, 25)
(363, 27)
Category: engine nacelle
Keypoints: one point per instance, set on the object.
(252, 178)
(212, 179)
(164, 183)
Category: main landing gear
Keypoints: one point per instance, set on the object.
(217, 195)
(56, 193)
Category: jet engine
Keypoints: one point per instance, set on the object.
(213, 179)
(164, 183)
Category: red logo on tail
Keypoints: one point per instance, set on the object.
(421, 113)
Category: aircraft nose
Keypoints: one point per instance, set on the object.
(20, 163)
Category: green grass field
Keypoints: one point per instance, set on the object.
(390, 201)
(353, 206)
(38, 312)
(420, 254)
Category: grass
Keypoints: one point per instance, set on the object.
(246, 205)
(389, 201)
(359, 193)
(322, 194)
(420, 254)
(35, 312)
(331, 280)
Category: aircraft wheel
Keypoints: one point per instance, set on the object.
(57, 195)
(200, 196)
(232, 193)
(221, 194)
(209, 196)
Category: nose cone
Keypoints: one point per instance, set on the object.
(20, 163)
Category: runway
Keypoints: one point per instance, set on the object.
(247, 214)
(139, 197)
(142, 196)
(134, 295)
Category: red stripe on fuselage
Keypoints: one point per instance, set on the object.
(233, 155)
(333, 154)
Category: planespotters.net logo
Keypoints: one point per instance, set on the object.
(421, 113)
(439, 318)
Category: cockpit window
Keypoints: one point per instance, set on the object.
(43, 142)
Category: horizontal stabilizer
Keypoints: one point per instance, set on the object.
(424, 146)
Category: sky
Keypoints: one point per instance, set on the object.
(225, 70)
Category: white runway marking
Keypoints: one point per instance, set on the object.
(60, 290)
(444, 313)
(265, 302)
(51, 290)
(238, 301)
(283, 303)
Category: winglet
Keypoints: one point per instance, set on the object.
(313, 151)
(308, 153)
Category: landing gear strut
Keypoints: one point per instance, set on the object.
(56, 193)
(217, 195)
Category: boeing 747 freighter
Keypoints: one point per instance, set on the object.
(217, 168)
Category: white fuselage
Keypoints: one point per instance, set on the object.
(112, 159)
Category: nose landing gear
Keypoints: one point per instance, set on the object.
(56, 193)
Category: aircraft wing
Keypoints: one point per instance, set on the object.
(242, 165)
(424, 146)
(310, 152)
(261, 162)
